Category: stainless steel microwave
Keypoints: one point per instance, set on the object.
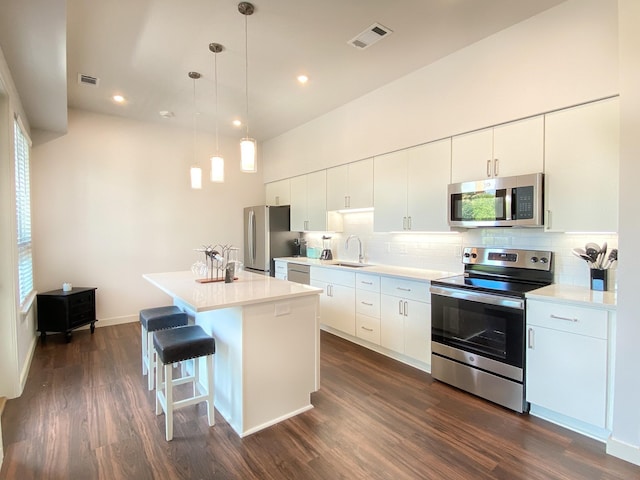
(497, 202)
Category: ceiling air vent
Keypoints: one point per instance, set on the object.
(88, 80)
(371, 35)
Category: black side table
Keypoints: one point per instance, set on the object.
(60, 311)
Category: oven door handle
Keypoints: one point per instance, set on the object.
(480, 297)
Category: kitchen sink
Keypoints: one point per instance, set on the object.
(350, 264)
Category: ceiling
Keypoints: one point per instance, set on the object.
(144, 49)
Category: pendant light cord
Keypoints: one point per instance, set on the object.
(215, 79)
(246, 70)
(195, 125)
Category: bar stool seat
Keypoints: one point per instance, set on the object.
(151, 320)
(178, 345)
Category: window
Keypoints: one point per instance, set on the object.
(23, 213)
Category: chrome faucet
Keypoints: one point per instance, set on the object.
(346, 245)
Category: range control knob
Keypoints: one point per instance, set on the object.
(467, 254)
(544, 260)
(474, 255)
(534, 259)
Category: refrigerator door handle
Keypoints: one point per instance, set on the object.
(252, 236)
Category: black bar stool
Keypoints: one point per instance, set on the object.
(151, 320)
(177, 345)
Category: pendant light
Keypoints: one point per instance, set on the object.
(248, 162)
(195, 171)
(217, 162)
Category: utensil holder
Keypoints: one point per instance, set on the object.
(599, 280)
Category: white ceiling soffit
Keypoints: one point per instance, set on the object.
(33, 40)
(143, 50)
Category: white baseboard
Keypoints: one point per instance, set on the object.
(108, 322)
(624, 451)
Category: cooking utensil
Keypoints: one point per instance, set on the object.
(592, 249)
(613, 257)
(579, 252)
(602, 254)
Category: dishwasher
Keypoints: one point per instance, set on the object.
(298, 273)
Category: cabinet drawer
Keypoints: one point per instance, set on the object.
(80, 301)
(568, 318)
(369, 282)
(368, 328)
(333, 276)
(368, 303)
(79, 318)
(409, 289)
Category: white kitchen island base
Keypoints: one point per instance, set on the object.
(267, 360)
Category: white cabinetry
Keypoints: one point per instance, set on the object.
(337, 302)
(581, 168)
(368, 307)
(309, 202)
(405, 317)
(410, 188)
(281, 269)
(514, 148)
(567, 351)
(278, 193)
(350, 185)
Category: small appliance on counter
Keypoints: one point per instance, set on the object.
(326, 248)
(299, 247)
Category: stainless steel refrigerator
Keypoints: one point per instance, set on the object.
(267, 236)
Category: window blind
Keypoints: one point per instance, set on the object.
(23, 212)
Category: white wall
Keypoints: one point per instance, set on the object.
(564, 56)
(625, 440)
(111, 201)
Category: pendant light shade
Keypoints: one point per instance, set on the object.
(217, 162)
(248, 150)
(217, 169)
(195, 173)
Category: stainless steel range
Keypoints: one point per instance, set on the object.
(478, 322)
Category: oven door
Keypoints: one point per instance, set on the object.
(486, 325)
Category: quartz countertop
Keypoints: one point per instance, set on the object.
(249, 288)
(576, 295)
(385, 270)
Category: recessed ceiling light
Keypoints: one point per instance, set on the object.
(303, 79)
(237, 123)
(118, 98)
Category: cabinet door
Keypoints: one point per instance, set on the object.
(337, 187)
(392, 323)
(317, 201)
(472, 156)
(337, 306)
(567, 373)
(518, 147)
(417, 330)
(581, 168)
(278, 193)
(429, 168)
(298, 210)
(360, 191)
(390, 192)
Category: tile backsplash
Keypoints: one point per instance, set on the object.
(442, 251)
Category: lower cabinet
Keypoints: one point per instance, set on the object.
(368, 307)
(567, 360)
(337, 302)
(281, 270)
(405, 318)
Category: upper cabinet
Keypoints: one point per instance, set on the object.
(410, 188)
(278, 193)
(350, 185)
(309, 202)
(515, 148)
(581, 168)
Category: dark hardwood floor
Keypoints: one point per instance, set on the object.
(86, 414)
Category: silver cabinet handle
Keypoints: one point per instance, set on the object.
(409, 228)
(495, 167)
(568, 319)
(488, 168)
(367, 329)
(366, 283)
(530, 338)
(404, 289)
(547, 225)
(367, 304)
(400, 302)
(406, 309)
(404, 223)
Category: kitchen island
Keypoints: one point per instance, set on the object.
(267, 359)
